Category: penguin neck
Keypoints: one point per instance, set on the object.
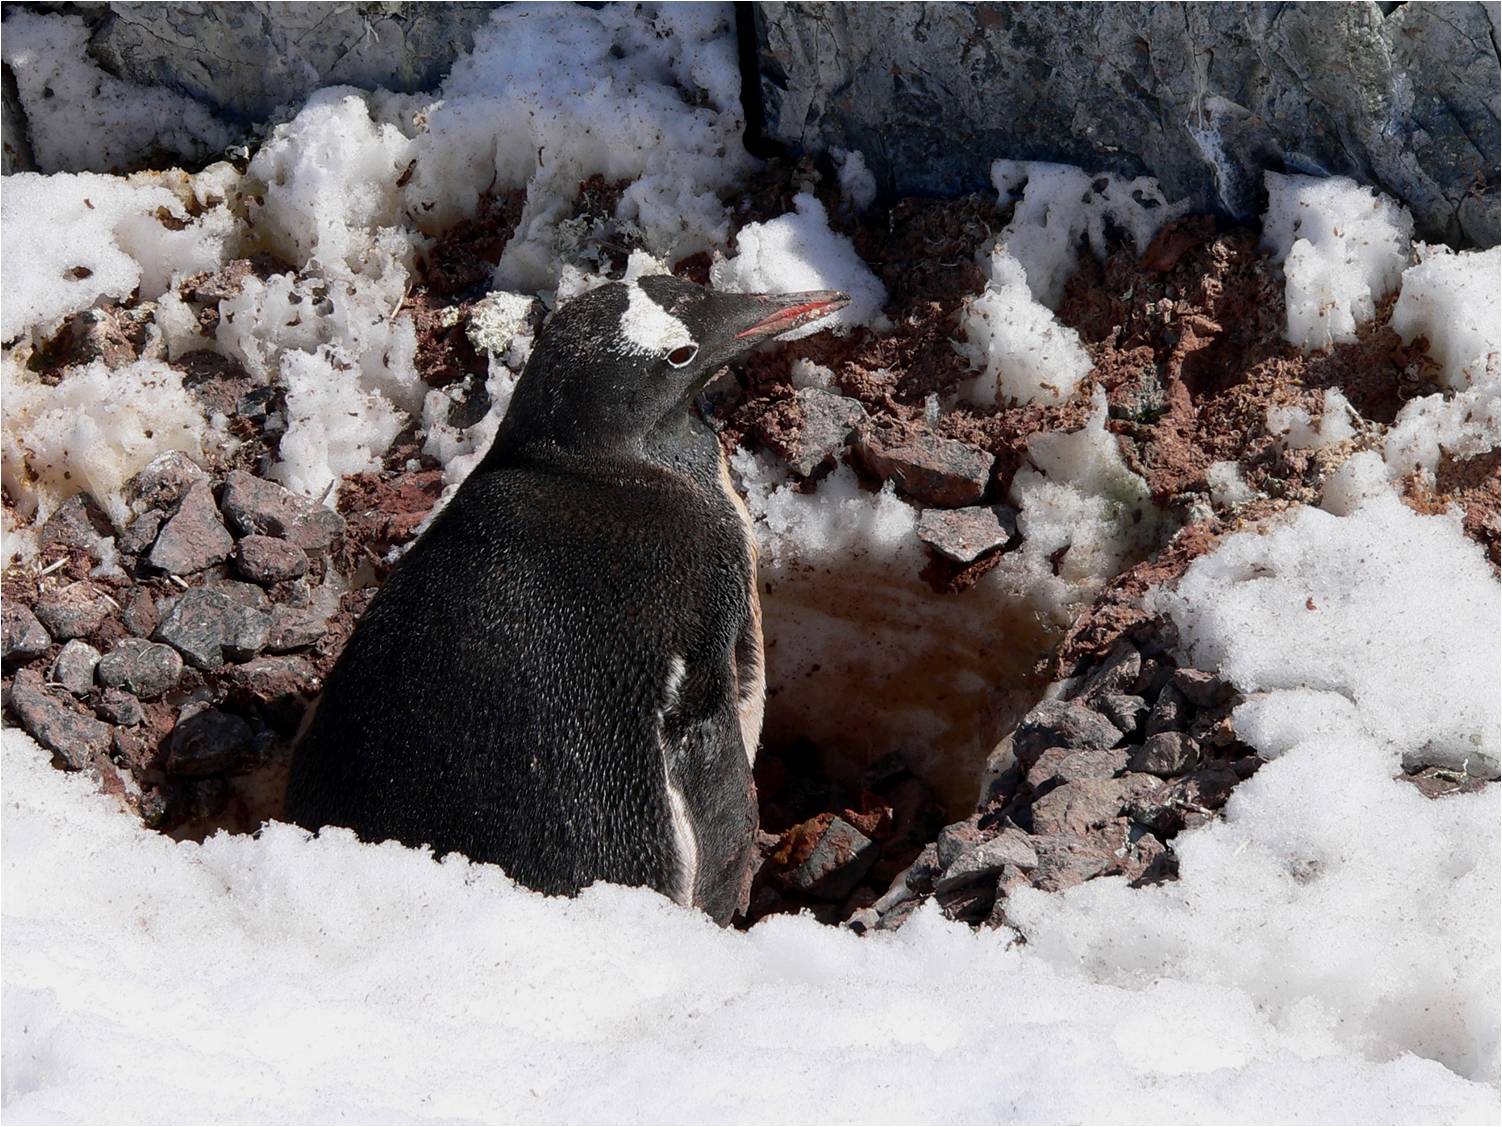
(681, 444)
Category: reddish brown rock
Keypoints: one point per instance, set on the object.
(927, 468)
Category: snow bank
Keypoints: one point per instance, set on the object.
(797, 252)
(1342, 247)
(370, 984)
(1010, 333)
(80, 116)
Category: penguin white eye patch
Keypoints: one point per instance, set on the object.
(683, 354)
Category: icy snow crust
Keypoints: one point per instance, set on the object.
(371, 984)
(1329, 953)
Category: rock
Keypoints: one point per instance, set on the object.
(927, 468)
(1169, 713)
(164, 482)
(1078, 807)
(1166, 754)
(254, 506)
(293, 628)
(139, 613)
(144, 668)
(838, 860)
(1065, 860)
(78, 523)
(272, 678)
(829, 420)
(1470, 761)
(246, 594)
(1123, 710)
(965, 534)
(1117, 673)
(1202, 689)
(73, 668)
(120, 707)
(930, 96)
(60, 726)
(141, 533)
(73, 611)
(266, 559)
(1010, 847)
(22, 637)
(1060, 764)
(209, 626)
(194, 538)
(956, 840)
(1059, 723)
(207, 743)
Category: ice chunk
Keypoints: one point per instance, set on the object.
(1343, 248)
(1451, 300)
(797, 252)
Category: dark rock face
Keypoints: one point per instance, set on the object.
(144, 668)
(22, 637)
(1203, 96)
(209, 626)
(58, 725)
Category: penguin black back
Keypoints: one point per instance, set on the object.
(558, 675)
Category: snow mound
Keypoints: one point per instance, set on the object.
(371, 984)
(797, 252)
(1342, 247)
(1451, 300)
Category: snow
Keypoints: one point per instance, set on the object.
(857, 183)
(1342, 247)
(798, 252)
(1296, 427)
(1450, 299)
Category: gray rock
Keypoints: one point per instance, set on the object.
(1059, 764)
(1203, 97)
(144, 668)
(59, 725)
(208, 743)
(1060, 723)
(838, 861)
(1065, 860)
(955, 840)
(194, 538)
(209, 626)
(1462, 760)
(1169, 713)
(164, 482)
(254, 506)
(139, 613)
(140, 534)
(963, 535)
(271, 678)
(78, 523)
(73, 611)
(246, 594)
(1117, 672)
(1077, 808)
(927, 468)
(1167, 754)
(829, 421)
(266, 559)
(1010, 847)
(293, 628)
(73, 668)
(1125, 711)
(22, 637)
(119, 707)
(1202, 689)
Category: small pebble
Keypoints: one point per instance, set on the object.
(73, 668)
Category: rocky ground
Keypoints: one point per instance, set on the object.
(181, 681)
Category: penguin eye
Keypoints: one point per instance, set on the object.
(682, 354)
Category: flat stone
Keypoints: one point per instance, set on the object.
(1066, 860)
(837, 862)
(144, 668)
(1010, 847)
(22, 636)
(1060, 764)
(272, 678)
(963, 535)
(73, 611)
(257, 507)
(119, 707)
(194, 538)
(59, 725)
(1077, 808)
(73, 668)
(208, 743)
(293, 628)
(164, 482)
(1059, 723)
(1166, 754)
(209, 626)
(1122, 709)
(139, 613)
(829, 422)
(267, 559)
(927, 468)
(957, 839)
(1201, 688)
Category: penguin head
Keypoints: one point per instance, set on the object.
(625, 360)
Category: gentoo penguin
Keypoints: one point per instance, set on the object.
(563, 676)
